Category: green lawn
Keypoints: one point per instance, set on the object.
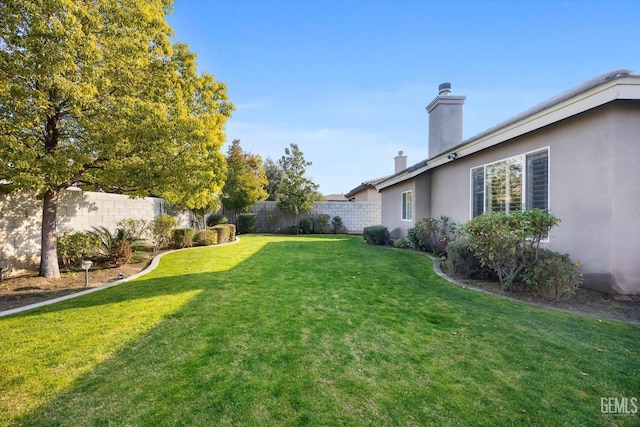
(320, 330)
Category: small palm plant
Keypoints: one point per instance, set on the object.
(116, 247)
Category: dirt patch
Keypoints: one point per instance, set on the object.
(585, 302)
(30, 289)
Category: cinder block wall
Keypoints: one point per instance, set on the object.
(21, 219)
(355, 215)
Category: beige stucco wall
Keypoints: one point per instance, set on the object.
(368, 195)
(392, 204)
(594, 173)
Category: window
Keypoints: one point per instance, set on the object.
(521, 182)
(407, 206)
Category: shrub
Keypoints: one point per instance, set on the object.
(161, 230)
(401, 243)
(134, 229)
(376, 235)
(183, 237)
(554, 276)
(293, 229)
(121, 252)
(323, 221)
(73, 248)
(247, 223)
(109, 245)
(215, 219)
(463, 262)
(433, 234)
(337, 224)
(226, 233)
(206, 237)
(306, 226)
(272, 221)
(509, 243)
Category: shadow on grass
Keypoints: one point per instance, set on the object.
(343, 334)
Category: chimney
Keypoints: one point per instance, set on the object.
(401, 162)
(445, 121)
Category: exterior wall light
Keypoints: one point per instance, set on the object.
(452, 156)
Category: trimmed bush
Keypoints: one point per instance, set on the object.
(509, 243)
(226, 233)
(161, 230)
(247, 223)
(323, 221)
(215, 219)
(337, 224)
(376, 235)
(206, 237)
(183, 237)
(293, 229)
(306, 226)
(554, 276)
(462, 262)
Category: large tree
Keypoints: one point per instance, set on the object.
(94, 94)
(296, 192)
(245, 181)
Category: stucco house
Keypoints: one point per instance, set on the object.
(576, 155)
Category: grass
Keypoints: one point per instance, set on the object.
(320, 330)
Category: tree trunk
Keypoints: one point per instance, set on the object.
(48, 250)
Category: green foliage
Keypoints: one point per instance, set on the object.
(215, 219)
(296, 193)
(554, 276)
(272, 220)
(226, 233)
(75, 247)
(247, 223)
(293, 229)
(508, 243)
(337, 224)
(96, 94)
(245, 180)
(306, 226)
(116, 247)
(206, 237)
(137, 229)
(275, 175)
(323, 221)
(401, 243)
(183, 237)
(462, 261)
(432, 234)
(376, 235)
(161, 230)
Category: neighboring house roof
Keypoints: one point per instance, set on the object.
(615, 85)
(335, 198)
(366, 185)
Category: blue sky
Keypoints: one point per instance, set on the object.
(348, 81)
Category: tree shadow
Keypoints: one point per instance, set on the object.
(20, 225)
(212, 287)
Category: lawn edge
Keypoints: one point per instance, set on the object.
(155, 261)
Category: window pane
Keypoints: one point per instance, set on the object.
(477, 188)
(504, 186)
(407, 205)
(538, 181)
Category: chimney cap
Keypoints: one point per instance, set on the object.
(444, 89)
(400, 153)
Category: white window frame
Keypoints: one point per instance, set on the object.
(406, 209)
(522, 158)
